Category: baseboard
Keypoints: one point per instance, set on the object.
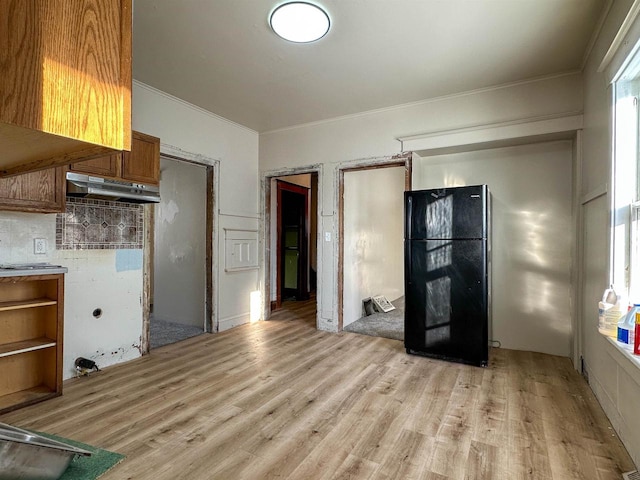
(274, 305)
(233, 321)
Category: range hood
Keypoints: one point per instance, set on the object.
(80, 185)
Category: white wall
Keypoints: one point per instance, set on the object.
(107, 279)
(197, 131)
(112, 279)
(531, 236)
(373, 135)
(614, 378)
(373, 237)
(180, 244)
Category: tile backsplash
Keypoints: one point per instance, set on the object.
(99, 224)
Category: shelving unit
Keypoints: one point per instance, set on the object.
(31, 338)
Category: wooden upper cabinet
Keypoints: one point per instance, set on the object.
(107, 166)
(65, 88)
(143, 163)
(42, 191)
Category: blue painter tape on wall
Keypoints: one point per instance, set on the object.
(128, 260)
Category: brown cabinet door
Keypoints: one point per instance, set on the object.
(143, 163)
(42, 191)
(107, 166)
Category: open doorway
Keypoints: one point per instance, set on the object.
(292, 243)
(181, 258)
(371, 248)
(292, 219)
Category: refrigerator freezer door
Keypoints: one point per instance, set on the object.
(446, 299)
(446, 213)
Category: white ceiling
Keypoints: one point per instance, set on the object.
(222, 56)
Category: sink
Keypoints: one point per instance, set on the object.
(28, 456)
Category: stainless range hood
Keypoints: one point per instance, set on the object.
(80, 185)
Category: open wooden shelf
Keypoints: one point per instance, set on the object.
(31, 339)
(22, 398)
(24, 346)
(36, 302)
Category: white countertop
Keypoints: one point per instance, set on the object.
(31, 269)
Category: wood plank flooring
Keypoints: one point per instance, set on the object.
(279, 399)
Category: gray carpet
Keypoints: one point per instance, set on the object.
(164, 333)
(387, 325)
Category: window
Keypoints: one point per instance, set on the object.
(625, 264)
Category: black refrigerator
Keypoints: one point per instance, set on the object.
(447, 274)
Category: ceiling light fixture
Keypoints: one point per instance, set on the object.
(300, 22)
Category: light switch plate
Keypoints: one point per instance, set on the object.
(327, 236)
(39, 246)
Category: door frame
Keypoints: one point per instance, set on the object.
(211, 320)
(290, 187)
(403, 160)
(265, 233)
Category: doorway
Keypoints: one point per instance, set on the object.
(293, 220)
(371, 247)
(292, 234)
(178, 290)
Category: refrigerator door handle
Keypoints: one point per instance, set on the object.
(408, 215)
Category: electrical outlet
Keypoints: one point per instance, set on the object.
(39, 246)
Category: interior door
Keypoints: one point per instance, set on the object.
(293, 202)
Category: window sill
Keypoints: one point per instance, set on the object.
(632, 365)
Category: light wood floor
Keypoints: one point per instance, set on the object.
(279, 399)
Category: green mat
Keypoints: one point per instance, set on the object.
(87, 468)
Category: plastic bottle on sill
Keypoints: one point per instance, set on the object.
(609, 313)
(627, 328)
(636, 345)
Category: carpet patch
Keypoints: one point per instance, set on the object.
(164, 333)
(387, 325)
(87, 468)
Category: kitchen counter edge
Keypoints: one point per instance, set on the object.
(32, 271)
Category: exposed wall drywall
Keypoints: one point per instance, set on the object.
(614, 378)
(373, 135)
(180, 244)
(104, 279)
(373, 237)
(531, 236)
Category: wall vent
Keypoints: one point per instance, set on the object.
(631, 475)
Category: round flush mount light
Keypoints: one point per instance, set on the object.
(300, 22)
